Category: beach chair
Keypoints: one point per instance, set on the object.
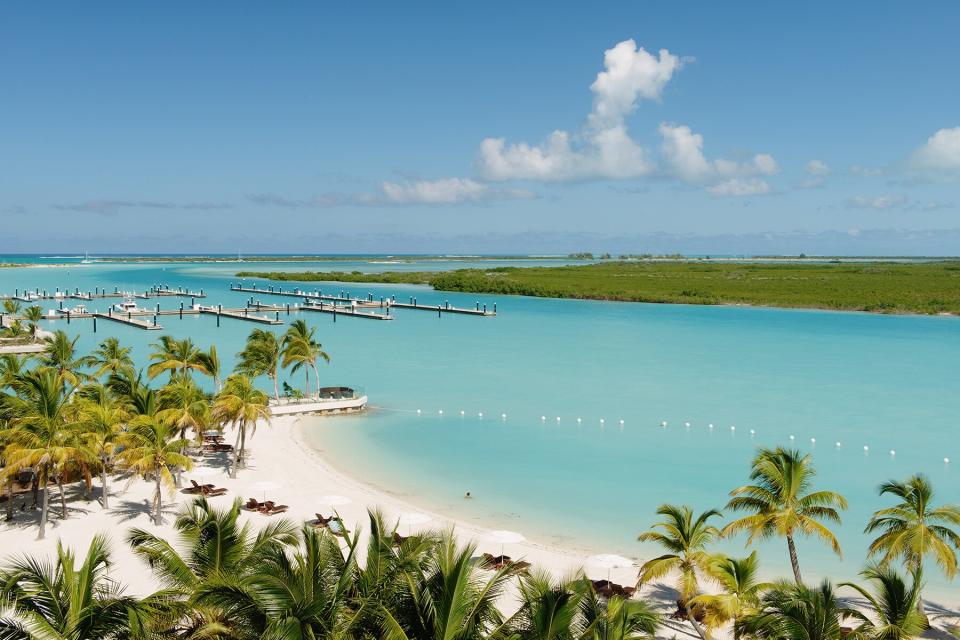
(253, 505)
(270, 509)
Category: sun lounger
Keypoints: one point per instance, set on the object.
(270, 509)
(253, 505)
(609, 589)
(490, 561)
(399, 539)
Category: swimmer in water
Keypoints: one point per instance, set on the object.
(467, 496)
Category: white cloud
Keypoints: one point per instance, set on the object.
(446, 191)
(604, 149)
(880, 203)
(866, 172)
(740, 187)
(940, 153)
(682, 152)
(817, 168)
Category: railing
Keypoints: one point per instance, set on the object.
(327, 394)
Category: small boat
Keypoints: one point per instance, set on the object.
(78, 309)
(127, 306)
(86, 258)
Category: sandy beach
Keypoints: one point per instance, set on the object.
(303, 479)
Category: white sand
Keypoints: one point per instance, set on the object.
(276, 455)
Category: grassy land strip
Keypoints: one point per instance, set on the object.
(884, 287)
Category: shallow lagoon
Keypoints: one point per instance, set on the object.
(888, 383)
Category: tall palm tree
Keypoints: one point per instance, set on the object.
(178, 357)
(210, 363)
(915, 528)
(792, 611)
(182, 404)
(894, 612)
(449, 596)
(261, 357)
(306, 592)
(11, 366)
(33, 315)
(782, 503)
(100, 424)
(301, 350)
(685, 537)
(66, 600)
(210, 543)
(740, 595)
(41, 434)
(110, 357)
(242, 405)
(151, 449)
(549, 609)
(60, 353)
(129, 387)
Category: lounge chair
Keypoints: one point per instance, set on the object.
(399, 539)
(270, 509)
(198, 488)
(253, 505)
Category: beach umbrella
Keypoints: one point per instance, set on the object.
(264, 486)
(609, 561)
(413, 518)
(503, 537)
(333, 500)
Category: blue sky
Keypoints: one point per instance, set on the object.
(391, 127)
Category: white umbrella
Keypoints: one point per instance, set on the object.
(264, 486)
(334, 500)
(609, 561)
(413, 518)
(503, 537)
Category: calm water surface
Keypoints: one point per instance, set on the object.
(887, 383)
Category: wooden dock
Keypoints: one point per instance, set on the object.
(37, 295)
(240, 314)
(341, 311)
(127, 320)
(385, 303)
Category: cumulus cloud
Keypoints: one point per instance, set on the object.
(603, 149)
(682, 152)
(939, 154)
(896, 202)
(443, 191)
(866, 172)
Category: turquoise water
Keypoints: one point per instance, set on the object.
(888, 383)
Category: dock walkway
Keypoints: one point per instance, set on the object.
(386, 303)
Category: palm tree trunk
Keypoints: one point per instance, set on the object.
(10, 499)
(63, 499)
(44, 509)
(306, 382)
(103, 482)
(693, 623)
(276, 386)
(157, 498)
(794, 562)
(243, 442)
(316, 374)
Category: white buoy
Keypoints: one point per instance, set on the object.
(621, 420)
(542, 418)
(440, 411)
(686, 424)
(946, 461)
(480, 414)
(752, 432)
(710, 425)
(418, 410)
(579, 420)
(838, 444)
(462, 412)
(813, 441)
(558, 418)
(663, 424)
(732, 428)
(793, 437)
(503, 416)
(866, 448)
(601, 420)
(893, 452)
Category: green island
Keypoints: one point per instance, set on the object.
(880, 287)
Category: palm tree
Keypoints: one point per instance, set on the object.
(64, 600)
(11, 306)
(210, 363)
(60, 353)
(151, 449)
(261, 356)
(301, 350)
(179, 357)
(184, 406)
(549, 609)
(128, 386)
(241, 405)
(40, 435)
(617, 619)
(100, 423)
(741, 591)
(914, 528)
(11, 366)
(110, 357)
(210, 543)
(796, 612)
(447, 596)
(33, 314)
(686, 538)
(782, 503)
(894, 607)
(306, 593)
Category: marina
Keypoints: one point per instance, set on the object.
(386, 302)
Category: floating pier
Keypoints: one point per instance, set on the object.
(35, 295)
(341, 311)
(127, 320)
(480, 310)
(240, 314)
